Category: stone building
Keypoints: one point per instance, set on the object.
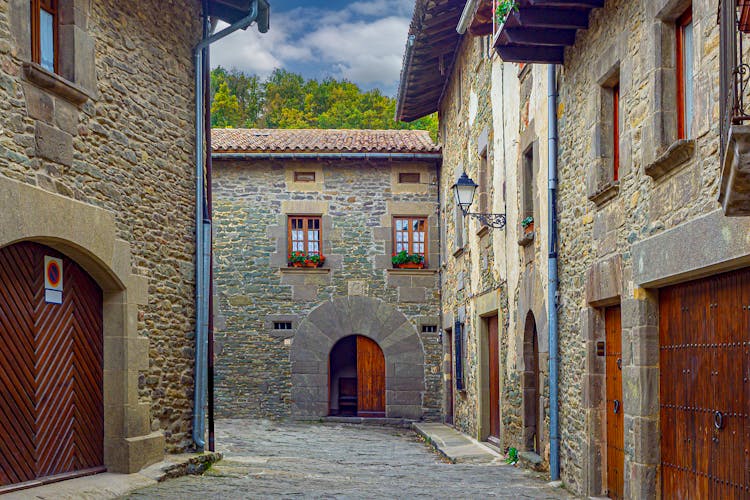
(493, 127)
(352, 336)
(654, 286)
(653, 293)
(97, 188)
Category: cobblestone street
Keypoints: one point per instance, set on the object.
(267, 459)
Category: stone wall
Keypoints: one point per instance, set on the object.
(663, 184)
(118, 135)
(357, 201)
(473, 261)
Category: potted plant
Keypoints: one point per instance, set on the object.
(303, 259)
(405, 260)
(528, 225)
(503, 10)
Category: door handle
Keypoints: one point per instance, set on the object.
(619, 363)
(617, 406)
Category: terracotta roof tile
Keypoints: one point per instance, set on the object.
(321, 141)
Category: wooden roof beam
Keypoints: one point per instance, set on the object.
(539, 36)
(535, 17)
(531, 54)
(588, 4)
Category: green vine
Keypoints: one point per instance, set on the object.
(503, 10)
(512, 456)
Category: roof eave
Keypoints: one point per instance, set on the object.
(540, 30)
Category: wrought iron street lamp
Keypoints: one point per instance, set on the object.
(464, 190)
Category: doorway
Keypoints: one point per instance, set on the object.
(614, 411)
(51, 367)
(531, 389)
(494, 382)
(449, 384)
(357, 378)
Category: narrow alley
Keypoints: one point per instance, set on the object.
(266, 459)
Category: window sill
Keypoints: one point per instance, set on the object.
(55, 83)
(605, 193)
(411, 271)
(677, 154)
(305, 270)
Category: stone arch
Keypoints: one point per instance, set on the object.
(87, 235)
(532, 428)
(369, 317)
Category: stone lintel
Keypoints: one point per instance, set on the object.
(604, 281)
(675, 256)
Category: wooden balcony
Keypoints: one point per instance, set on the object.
(541, 29)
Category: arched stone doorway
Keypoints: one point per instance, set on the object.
(357, 378)
(51, 365)
(368, 317)
(531, 387)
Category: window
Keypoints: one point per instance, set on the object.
(304, 176)
(282, 325)
(616, 132)
(459, 356)
(528, 183)
(44, 34)
(684, 63)
(429, 328)
(304, 234)
(410, 235)
(408, 178)
(484, 184)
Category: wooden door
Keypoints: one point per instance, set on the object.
(614, 410)
(704, 333)
(494, 374)
(370, 379)
(449, 347)
(50, 369)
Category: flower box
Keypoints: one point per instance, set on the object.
(410, 265)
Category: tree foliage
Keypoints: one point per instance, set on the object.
(287, 100)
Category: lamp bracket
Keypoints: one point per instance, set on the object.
(496, 221)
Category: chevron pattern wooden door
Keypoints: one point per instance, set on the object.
(50, 369)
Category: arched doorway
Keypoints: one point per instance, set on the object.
(51, 367)
(357, 378)
(531, 389)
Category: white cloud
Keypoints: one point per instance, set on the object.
(363, 42)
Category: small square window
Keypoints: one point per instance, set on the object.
(304, 176)
(282, 325)
(408, 178)
(429, 328)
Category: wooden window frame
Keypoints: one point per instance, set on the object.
(616, 132)
(682, 22)
(411, 242)
(404, 175)
(299, 174)
(305, 239)
(52, 7)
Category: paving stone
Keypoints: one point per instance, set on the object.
(266, 459)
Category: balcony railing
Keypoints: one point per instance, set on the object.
(734, 22)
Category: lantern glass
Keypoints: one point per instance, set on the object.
(464, 191)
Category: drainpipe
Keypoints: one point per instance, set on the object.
(203, 222)
(554, 423)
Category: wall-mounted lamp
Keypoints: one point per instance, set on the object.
(464, 190)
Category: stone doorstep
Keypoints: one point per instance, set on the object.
(455, 446)
(109, 485)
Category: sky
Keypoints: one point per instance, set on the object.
(361, 41)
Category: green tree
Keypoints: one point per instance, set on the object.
(287, 100)
(225, 108)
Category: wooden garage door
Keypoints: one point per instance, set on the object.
(705, 366)
(50, 369)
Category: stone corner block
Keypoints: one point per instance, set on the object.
(604, 281)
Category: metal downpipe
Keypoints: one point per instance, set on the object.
(203, 229)
(552, 283)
